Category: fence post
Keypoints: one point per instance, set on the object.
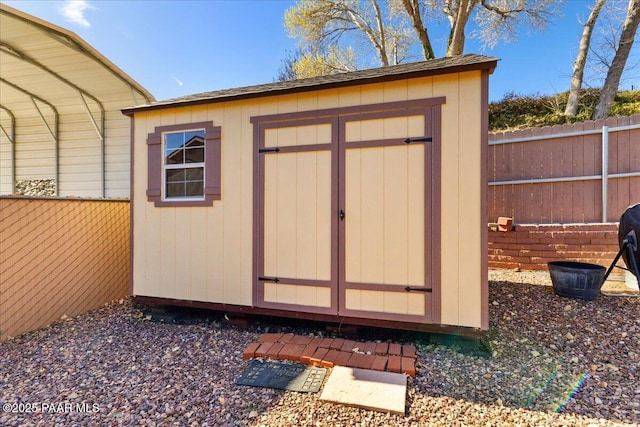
(605, 170)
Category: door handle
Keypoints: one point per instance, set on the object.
(341, 215)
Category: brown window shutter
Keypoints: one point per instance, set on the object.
(213, 164)
(213, 136)
(154, 167)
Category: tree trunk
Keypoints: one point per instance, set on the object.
(458, 22)
(382, 46)
(413, 10)
(581, 59)
(612, 81)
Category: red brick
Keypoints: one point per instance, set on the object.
(325, 363)
(394, 364)
(382, 348)
(250, 351)
(337, 343)
(343, 358)
(408, 350)
(395, 349)
(349, 345)
(409, 366)
(270, 338)
(369, 347)
(285, 338)
(291, 352)
(379, 363)
(301, 339)
(273, 351)
(326, 343)
(318, 356)
(366, 361)
(263, 349)
(308, 352)
(330, 358)
(354, 360)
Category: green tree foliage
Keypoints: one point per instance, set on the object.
(522, 111)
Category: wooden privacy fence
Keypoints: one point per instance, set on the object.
(60, 257)
(581, 173)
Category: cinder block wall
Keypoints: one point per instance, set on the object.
(532, 246)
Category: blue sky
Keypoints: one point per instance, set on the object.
(176, 48)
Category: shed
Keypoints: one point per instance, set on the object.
(60, 118)
(356, 198)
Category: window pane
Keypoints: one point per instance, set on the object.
(195, 189)
(184, 148)
(195, 174)
(175, 175)
(175, 157)
(173, 141)
(194, 155)
(194, 138)
(175, 190)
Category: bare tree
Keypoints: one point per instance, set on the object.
(581, 59)
(497, 20)
(614, 74)
(323, 23)
(392, 28)
(414, 11)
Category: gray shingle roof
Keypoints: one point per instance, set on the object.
(374, 75)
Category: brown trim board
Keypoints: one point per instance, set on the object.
(464, 331)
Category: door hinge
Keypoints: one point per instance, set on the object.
(269, 279)
(410, 140)
(268, 150)
(415, 289)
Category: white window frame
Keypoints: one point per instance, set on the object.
(185, 166)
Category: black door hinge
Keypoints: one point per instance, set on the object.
(415, 289)
(410, 140)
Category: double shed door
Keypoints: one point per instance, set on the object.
(344, 223)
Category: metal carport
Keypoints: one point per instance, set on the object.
(60, 103)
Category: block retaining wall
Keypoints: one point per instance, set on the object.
(532, 246)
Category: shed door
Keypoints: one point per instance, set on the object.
(344, 215)
(296, 265)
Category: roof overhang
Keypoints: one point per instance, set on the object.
(432, 67)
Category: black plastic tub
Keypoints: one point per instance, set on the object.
(574, 279)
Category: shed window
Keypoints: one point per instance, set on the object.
(184, 165)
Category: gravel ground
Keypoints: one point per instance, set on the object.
(551, 361)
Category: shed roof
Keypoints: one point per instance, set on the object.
(432, 67)
(39, 60)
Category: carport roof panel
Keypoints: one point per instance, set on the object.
(25, 40)
(460, 63)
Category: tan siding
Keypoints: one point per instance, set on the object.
(311, 296)
(297, 215)
(470, 203)
(396, 211)
(450, 227)
(461, 205)
(415, 218)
